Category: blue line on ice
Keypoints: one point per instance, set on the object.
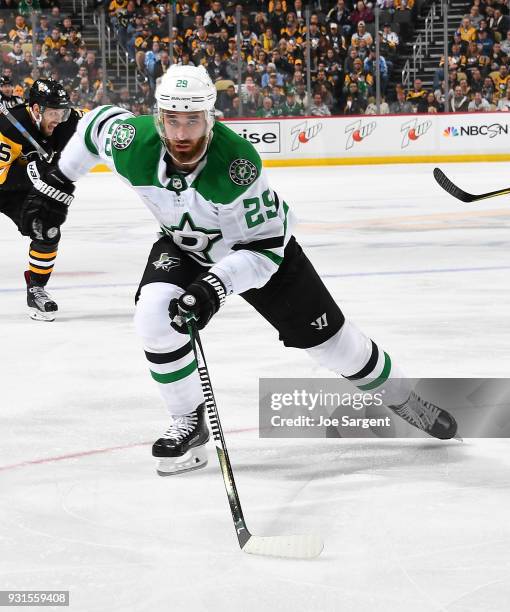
(339, 275)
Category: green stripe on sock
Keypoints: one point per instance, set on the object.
(382, 378)
(174, 376)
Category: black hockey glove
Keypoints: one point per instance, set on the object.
(202, 299)
(45, 208)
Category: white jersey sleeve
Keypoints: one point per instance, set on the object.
(91, 142)
(254, 227)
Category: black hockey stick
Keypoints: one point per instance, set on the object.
(40, 151)
(292, 546)
(462, 195)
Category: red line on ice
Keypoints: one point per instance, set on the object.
(96, 451)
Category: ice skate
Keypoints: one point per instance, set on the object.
(182, 447)
(41, 306)
(426, 416)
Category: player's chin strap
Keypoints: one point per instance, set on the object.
(40, 151)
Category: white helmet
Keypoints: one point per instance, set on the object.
(185, 89)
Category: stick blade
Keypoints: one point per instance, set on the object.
(444, 182)
(289, 547)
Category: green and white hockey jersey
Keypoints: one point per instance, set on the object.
(224, 214)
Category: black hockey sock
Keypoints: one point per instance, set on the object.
(41, 260)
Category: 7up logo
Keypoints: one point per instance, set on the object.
(358, 131)
(412, 130)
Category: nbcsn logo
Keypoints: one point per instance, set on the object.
(451, 131)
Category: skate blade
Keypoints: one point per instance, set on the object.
(194, 459)
(38, 315)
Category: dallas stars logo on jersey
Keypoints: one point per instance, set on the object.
(165, 262)
(242, 172)
(123, 136)
(198, 241)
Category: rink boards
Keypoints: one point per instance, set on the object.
(368, 139)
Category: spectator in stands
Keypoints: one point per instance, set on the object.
(432, 104)
(15, 55)
(498, 23)
(25, 67)
(369, 65)
(467, 31)
(401, 106)
(475, 59)
(497, 56)
(361, 13)
(361, 34)
(162, 65)
(302, 95)
(403, 5)
(504, 103)
(91, 65)
(418, 97)
(389, 42)
(355, 103)
(485, 42)
(216, 9)
(66, 66)
(20, 32)
(371, 109)
(505, 44)
(291, 107)
(318, 108)
(54, 17)
(458, 101)
(488, 89)
(42, 30)
(4, 32)
(340, 15)
(225, 101)
(266, 110)
(478, 104)
(474, 16)
(500, 79)
(54, 41)
(476, 81)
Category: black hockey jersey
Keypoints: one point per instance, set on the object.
(14, 147)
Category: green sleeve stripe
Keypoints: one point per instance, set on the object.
(270, 255)
(88, 138)
(175, 376)
(382, 378)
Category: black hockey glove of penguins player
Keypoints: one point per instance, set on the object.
(45, 208)
(202, 299)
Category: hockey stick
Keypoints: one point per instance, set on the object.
(40, 151)
(292, 546)
(462, 195)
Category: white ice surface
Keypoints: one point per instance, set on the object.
(412, 525)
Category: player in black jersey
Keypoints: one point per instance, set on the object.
(51, 122)
(6, 93)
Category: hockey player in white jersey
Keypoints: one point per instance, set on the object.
(224, 231)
